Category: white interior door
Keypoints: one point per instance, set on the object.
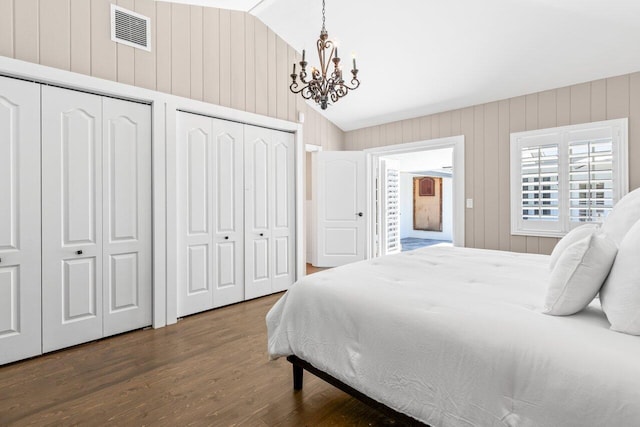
(195, 208)
(389, 197)
(126, 188)
(258, 178)
(228, 236)
(71, 217)
(20, 310)
(341, 207)
(269, 211)
(283, 243)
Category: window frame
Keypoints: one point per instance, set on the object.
(562, 136)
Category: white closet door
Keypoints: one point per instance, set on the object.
(195, 208)
(283, 241)
(126, 186)
(269, 211)
(258, 179)
(20, 322)
(71, 217)
(228, 236)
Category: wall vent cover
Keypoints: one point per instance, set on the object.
(130, 28)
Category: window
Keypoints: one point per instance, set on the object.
(566, 176)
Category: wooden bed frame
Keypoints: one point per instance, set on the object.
(299, 366)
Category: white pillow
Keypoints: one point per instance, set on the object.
(620, 295)
(570, 238)
(625, 213)
(579, 273)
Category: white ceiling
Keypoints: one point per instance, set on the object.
(243, 5)
(419, 57)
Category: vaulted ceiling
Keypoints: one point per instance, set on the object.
(419, 57)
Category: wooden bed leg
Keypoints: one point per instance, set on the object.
(297, 377)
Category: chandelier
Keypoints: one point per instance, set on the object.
(321, 87)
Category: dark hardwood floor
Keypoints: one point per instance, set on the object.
(209, 369)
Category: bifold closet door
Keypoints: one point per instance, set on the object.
(210, 207)
(269, 211)
(20, 322)
(71, 217)
(126, 213)
(96, 217)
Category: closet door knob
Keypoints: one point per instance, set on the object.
(226, 237)
(261, 234)
(360, 214)
(79, 252)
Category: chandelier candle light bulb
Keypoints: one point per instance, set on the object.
(324, 85)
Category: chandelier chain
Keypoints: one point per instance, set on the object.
(324, 29)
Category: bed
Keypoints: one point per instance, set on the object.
(456, 337)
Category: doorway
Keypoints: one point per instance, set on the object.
(417, 195)
(417, 199)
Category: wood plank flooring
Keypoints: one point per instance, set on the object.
(210, 369)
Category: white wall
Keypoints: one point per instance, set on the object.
(406, 210)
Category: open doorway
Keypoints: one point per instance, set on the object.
(417, 195)
(419, 199)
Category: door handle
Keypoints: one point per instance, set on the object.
(79, 252)
(360, 214)
(226, 237)
(261, 234)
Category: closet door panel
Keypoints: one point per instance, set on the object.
(71, 217)
(20, 308)
(228, 213)
(258, 210)
(195, 210)
(126, 227)
(283, 220)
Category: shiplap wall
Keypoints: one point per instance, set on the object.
(224, 57)
(487, 128)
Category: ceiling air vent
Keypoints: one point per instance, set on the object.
(130, 28)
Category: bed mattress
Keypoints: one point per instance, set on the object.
(456, 337)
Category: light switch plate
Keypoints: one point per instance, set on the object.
(469, 203)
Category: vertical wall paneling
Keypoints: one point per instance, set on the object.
(281, 79)
(103, 50)
(291, 97)
(180, 50)
(618, 97)
(598, 100)
(634, 130)
(55, 34)
(435, 126)
(491, 177)
(145, 62)
(211, 61)
(25, 42)
(478, 176)
(126, 54)
(80, 22)
(163, 47)
(197, 56)
(250, 63)
(467, 130)
(456, 117)
(580, 103)
(225, 57)
(262, 73)
(238, 72)
(504, 154)
(563, 106)
(6, 28)
(271, 73)
(445, 124)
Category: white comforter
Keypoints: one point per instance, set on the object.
(455, 337)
